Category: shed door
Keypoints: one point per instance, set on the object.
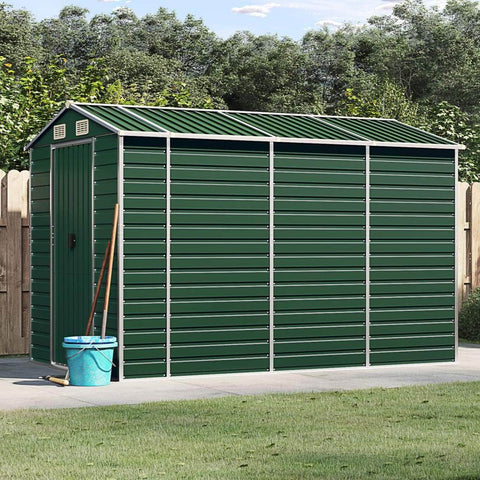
(72, 242)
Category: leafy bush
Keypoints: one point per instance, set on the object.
(469, 317)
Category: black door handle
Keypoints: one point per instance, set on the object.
(72, 241)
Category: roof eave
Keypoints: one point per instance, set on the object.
(316, 141)
(72, 106)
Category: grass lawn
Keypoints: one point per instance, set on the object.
(406, 433)
(463, 340)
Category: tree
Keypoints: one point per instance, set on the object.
(329, 64)
(433, 54)
(262, 73)
(28, 100)
(382, 99)
(68, 35)
(450, 122)
(189, 43)
(17, 35)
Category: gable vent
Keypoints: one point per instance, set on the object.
(81, 127)
(59, 131)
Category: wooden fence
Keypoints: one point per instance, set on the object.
(14, 263)
(468, 231)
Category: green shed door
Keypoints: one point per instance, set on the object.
(72, 242)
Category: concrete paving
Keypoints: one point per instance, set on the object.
(20, 386)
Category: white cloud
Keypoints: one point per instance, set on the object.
(256, 10)
(328, 23)
(109, 1)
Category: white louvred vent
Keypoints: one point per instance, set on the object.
(59, 131)
(81, 127)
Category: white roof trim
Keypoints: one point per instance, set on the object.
(311, 141)
(77, 108)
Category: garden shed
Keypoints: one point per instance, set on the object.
(246, 241)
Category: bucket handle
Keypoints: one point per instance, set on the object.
(96, 348)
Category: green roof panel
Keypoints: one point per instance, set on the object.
(208, 122)
(118, 118)
(295, 126)
(381, 130)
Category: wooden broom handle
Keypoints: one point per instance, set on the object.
(97, 291)
(110, 268)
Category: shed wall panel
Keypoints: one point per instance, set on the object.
(319, 277)
(40, 258)
(144, 258)
(104, 199)
(219, 257)
(413, 274)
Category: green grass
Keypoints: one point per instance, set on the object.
(425, 432)
(464, 340)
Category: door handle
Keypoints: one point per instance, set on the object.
(72, 241)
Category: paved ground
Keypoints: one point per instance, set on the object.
(21, 388)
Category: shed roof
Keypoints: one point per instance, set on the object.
(131, 120)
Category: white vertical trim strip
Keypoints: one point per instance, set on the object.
(120, 328)
(367, 255)
(271, 254)
(167, 258)
(52, 285)
(30, 156)
(456, 276)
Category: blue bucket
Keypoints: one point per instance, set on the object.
(89, 359)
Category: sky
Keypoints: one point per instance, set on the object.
(225, 17)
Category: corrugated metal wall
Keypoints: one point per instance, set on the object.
(105, 196)
(319, 256)
(413, 255)
(144, 257)
(40, 259)
(219, 263)
(220, 316)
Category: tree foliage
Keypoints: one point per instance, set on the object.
(419, 65)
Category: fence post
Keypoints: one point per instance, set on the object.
(3, 261)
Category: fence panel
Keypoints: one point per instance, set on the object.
(468, 231)
(14, 263)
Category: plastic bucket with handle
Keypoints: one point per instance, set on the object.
(89, 359)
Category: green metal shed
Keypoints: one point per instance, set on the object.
(247, 241)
